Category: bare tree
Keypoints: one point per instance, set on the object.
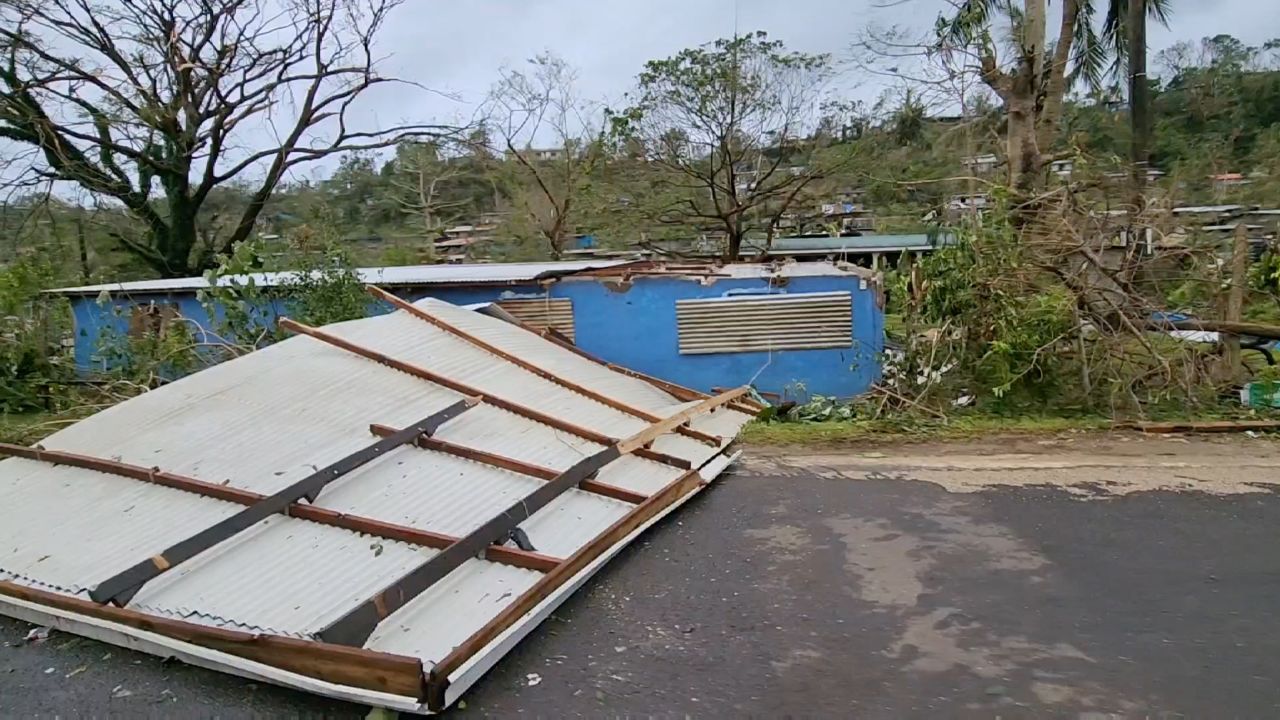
(421, 178)
(550, 138)
(153, 104)
(723, 125)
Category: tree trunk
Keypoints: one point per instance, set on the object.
(1139, 99)
(178, 241)
(1021, 139)
(82, 246)
(1235, 301)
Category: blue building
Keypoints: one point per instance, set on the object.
(789, 329)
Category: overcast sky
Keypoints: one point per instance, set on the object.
(458, 47)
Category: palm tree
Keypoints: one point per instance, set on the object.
(1034, 85)
(1125, 29)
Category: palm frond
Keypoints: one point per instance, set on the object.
(1159, 10)
(1089, 52)
(969, 23)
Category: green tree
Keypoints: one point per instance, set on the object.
(550, 141)
(723, 129)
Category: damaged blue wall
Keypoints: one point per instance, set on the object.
(635, 326)
(631, 324)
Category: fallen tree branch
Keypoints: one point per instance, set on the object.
(1271, 332)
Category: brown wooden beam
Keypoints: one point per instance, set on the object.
(438, 678)
(323, 516)
(517, 466)
(356, 667)
(501, 461)
(494, 400)
(1199, 426)
(526, 365)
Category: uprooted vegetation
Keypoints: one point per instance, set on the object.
(1042, 310)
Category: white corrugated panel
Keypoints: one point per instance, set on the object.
(454, 608)
(283, 576)
(542, 314)
(451, 495)
(802, 321)
(550, 356)
(417, 341)
(68, 529)
(261, 421)
(272, 417)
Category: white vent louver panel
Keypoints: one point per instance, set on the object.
(543, 313)
(806, 321)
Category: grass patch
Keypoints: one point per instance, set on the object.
(30, 428)
(957, 428)
(16, 428)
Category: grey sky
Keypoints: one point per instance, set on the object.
(458, 47)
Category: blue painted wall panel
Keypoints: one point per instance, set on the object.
(637, 328)
(96, 323)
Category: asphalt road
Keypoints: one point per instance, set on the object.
(847, 586)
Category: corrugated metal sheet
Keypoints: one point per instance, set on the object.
(413, 340)
(283, 576)
(468, 597)
(553, 313)
(802, 321)
(272, 417)
(461, 274)
(67, 529)
(549, 356)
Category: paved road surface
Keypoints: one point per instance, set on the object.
(1083, 578)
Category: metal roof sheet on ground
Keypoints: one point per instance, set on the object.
(270, 418)
(402, 275)
(45, 540)
(414, 340)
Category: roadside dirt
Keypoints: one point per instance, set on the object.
(1086, 465)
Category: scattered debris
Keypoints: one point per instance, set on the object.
(77, 671)
(119, 691)
(533, 678)
(37, 635)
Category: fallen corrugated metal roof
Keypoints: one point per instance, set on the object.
(510, 468)
(404, 275)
